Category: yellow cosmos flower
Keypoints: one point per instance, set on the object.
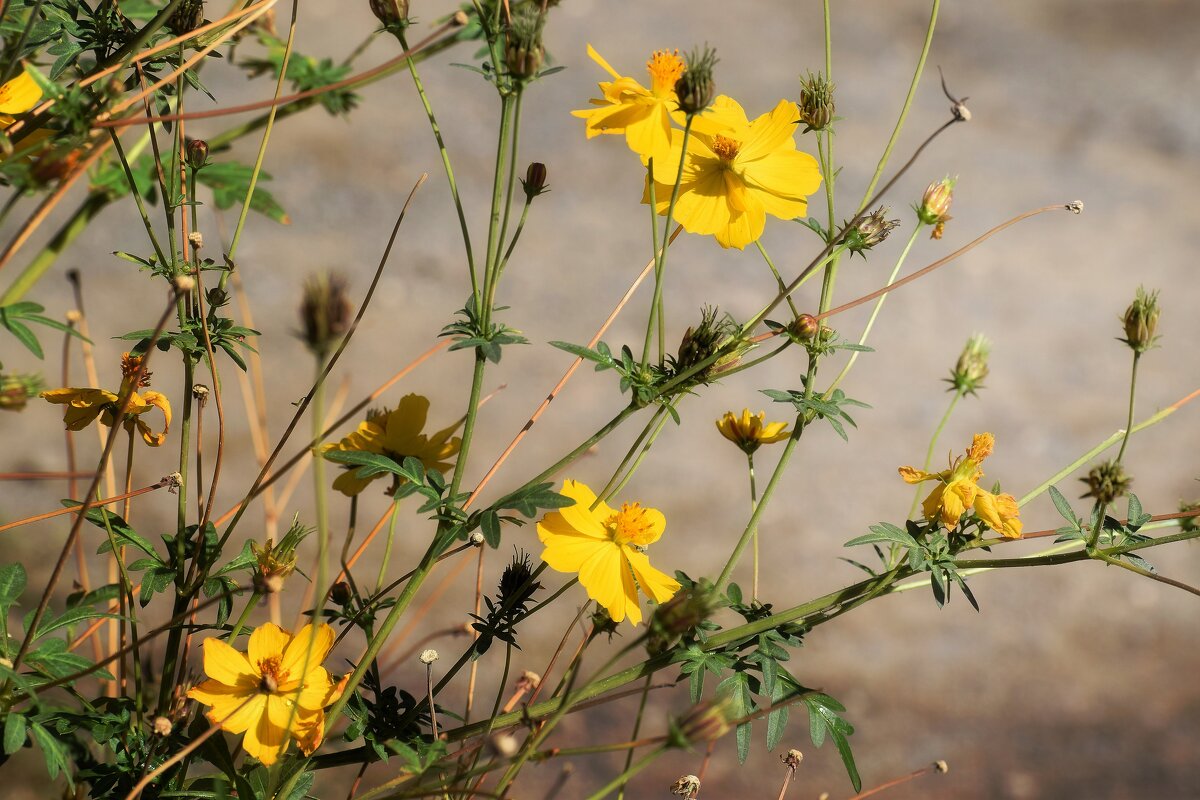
(16, 97)
(627, 107)
(83, 406)
(267, 693)
(751, 431)
(958, 489)
(607, 548)
(733, 179)
(397, 435)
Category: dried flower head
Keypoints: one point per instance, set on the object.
(429, 656)
(701, 342)
(188, 16)
(1106, 482)
(686, 786)
(870, 231)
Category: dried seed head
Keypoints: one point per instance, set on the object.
(429, 656)
(183, 283)
(504, 745)
(686, 786)
(477, 538)
(188, 16)
(941, 767)
(523, 53)
(870, 231)
(162, 726)
(196, 240)
(1106, 482)
(325, 312)
(792, 759)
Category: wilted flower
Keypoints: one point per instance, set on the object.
(1106, 482)
(958, 489)
(686, 786)
(607, 547)
(751, 431)
(85, 405)
(972, 366)
(935, 205)
(1141, 320)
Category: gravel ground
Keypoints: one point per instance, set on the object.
(1072, 682)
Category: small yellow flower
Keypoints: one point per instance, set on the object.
(83, 406)
(643, 115)
(397, 435)
(275, 692)
(733, 179)
(607, 548)
(17, 96)
(958, 490)
(751, 431)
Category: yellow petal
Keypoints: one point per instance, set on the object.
(650, 134)
(19, 94)
(264, 740)
(239, 716)
(579, 516)
(957, 497)
(999, 512)
(771, 131)
(981, 447)
(656, 584)
(220, 696)
(570, 552)
(914, 475)
(781, 181)
(268, 641)
(224, 664)
(599, 59)
(309, 647)
(349, 485)
(609, 582)
(308, 729)
(319, 690)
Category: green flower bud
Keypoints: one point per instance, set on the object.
(392, 13)
(972, 367)
(524, 52)
(805, 327)
(1106, 482)
(16, 390)
(695, 87)
(1140, 321)
(816, 103)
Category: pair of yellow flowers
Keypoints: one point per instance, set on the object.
(735, 170)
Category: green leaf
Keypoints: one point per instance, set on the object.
(489, 525)
(12, 584)
(53, 751)
(823, 719)
(885, 532)
(14, 733)
(369, 464)
(104, 519)
(70, 617)
(230, 181)
(736, 688)
(1063, 506)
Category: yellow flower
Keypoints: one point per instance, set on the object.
(607, 548)
(751, 431)
(83, 406)
(16, 97)
(643, 115)
(275, 692)
(397, 435)
(733, 179)
(958, 489)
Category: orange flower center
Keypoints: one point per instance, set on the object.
(725, 148)
(664, 67)
(630, 524)
(130, 364)
(272, 675)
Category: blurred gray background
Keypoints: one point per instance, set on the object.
(1071, 682)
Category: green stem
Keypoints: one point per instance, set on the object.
(387, 547)
(662, 421)
(629, 772)
(660, 256)
(652, 189)
(874, 313)
(515, 238)
(611, 487)
(320, 488)
(512, 173)
(437, 135)
(1129, 419)
(245, 616)
(933, 440)
(137, 197)
(778, 278)
(494, 239)
(637, 726)
(753, 509)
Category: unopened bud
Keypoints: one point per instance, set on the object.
(678, 616)
(535, 180)
(695, 87)
(705, 723)
(805, 327)
(816, 102)
(972, 366)
(188, 16)
(392, 13)
(1106, 482)
(16, 390)
(523, 53)
(935, 205)
(429, 656)
(325, 312)
(197, 153)
(1141, 320)
(340, 593)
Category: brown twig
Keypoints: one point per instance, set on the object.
(94, 504)
(938, 767)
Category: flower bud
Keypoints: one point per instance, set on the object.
(392, 13)
(705, 723)
(325, 312)
(701, 342)
(935, 205)
(870, 231)
(16, 390)
(804, 327)
(188, 16)
(197, 153)
(524, 53)
(535, 180)
(695, 87)
(677, 617)
(1189, 524)
(1106, 482)
(1140, 321)
(340, 593)
(816, 102)
(972, 367)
